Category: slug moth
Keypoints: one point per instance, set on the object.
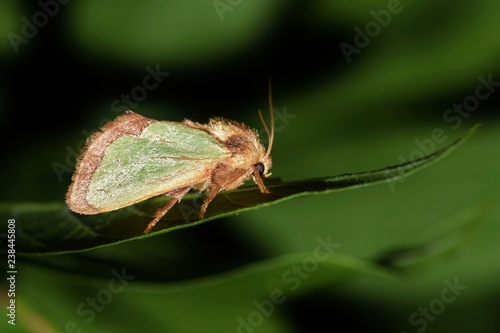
(134, 158)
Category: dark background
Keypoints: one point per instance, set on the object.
(345, 116)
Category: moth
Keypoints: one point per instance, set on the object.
(134, 158)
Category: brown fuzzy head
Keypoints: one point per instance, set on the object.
(244, 144)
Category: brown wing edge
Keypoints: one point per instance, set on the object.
(130, 123)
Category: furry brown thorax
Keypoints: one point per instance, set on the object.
(242, 141)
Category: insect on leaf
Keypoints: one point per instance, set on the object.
(54, 229)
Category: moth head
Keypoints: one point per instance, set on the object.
(261, 170)
(264, 166)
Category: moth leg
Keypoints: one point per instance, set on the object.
(223, 179)
(258, 180)
(212, 193)
(176, 196)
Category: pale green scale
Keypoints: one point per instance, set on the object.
(165, 156)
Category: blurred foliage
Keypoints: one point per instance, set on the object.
(381, 108)
(145, 30)
(77, 232)
(9, 19)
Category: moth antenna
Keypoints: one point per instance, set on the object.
(270, 134)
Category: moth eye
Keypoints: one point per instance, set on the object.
(260, 168)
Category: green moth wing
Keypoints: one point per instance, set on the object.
(158, 158)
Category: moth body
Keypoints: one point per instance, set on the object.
(134, 158)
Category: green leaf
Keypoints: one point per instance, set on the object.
(464, 227)
(275, 279)
(52, 228)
